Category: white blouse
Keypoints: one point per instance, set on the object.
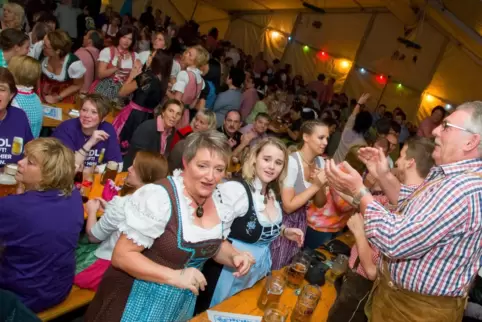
(106, 229)
(293, 169)
(105, 55)
(149, 210)
(182, 79)
(235, 197)
(75, 71)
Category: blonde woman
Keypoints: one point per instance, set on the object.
(203, 121)
(40, 227)
(256, 205)
(13, 16)
(26, 71)
(189, 82)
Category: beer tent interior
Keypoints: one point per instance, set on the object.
(356, 42)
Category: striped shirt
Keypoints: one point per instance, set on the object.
(433, 241)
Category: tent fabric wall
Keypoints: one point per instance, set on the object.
(457, 77)
(382, 42)
(245, 35)
(339, 34)
(404, 97)
(358, 83)
(308, 64)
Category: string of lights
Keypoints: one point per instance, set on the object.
(347, 64)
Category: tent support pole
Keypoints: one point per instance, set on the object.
(367, 32)
(179, 12)
(194, 10)
(292, 35)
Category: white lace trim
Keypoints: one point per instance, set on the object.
(134, 235)
(258, 198)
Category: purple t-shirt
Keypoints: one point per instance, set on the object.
(14, 125)
(40, 231)
(70, 133)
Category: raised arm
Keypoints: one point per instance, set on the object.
(377, 165)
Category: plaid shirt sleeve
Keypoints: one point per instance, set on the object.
(423, 224)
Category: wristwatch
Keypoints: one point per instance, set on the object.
(358, 197)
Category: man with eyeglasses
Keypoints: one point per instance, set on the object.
(432, 242)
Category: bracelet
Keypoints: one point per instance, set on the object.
(83, 149)
(283, 228)
(60, 98)
(81, 152)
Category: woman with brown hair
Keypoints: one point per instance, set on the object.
(305, 182)
(13, 42)
(40, 227)
(156, 134)
(62, 71)
(148, 168)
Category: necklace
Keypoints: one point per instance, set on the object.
(199, 209)
(309, 164)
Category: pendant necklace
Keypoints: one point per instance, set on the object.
(199, 209)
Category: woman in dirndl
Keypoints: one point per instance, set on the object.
(116, 63)
(62, 72)
(148, 89)
(304, 183)
(189, 82)
(258, 222)
(170, 230)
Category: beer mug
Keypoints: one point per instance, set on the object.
(276, 312)
(17, 145)
(295, 273)
(306, 304)
(271, 293)
(110, 172)
(8, 183)
(338, 268)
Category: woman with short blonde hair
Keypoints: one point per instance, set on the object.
(170, 230)
(50, 213)
(203, 121)
(189, 82)
(26, 71)
(13, 16)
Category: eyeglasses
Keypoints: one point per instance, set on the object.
(446, 125)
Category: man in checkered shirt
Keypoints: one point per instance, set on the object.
(431, 245)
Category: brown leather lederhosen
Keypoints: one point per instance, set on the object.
(114, 290)
(388, 302)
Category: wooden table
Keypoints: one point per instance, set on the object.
(245, 302)
(66, 107)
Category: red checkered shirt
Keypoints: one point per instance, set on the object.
(433, 242)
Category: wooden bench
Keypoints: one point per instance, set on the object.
(77, 298)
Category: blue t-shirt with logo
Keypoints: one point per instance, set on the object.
(14, 126)
(70, 133)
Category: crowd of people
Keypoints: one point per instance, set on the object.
(234, 165)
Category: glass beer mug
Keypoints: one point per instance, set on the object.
(8, 183)
(17, 145)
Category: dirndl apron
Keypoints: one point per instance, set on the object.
(122, 118)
